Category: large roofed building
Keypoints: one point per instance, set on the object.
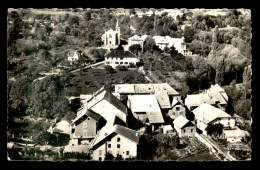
(120, 57)
(112, 37)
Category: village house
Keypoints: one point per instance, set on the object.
(234, 135)
(184, 127)
(115, 139)
(107, 105)
(120, 57)
(112, 37)
(73, 56)
(177, 109)
(167, 41)
(167, 129)
(146, 109)
(215, 96)
(84, 127)
(207, 114)
(137, 40)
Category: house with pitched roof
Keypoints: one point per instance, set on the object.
(234, 135)
(107, 105)
(137, 40)
(115, 139)
(215, 96)
(120, 57)
(184, 127)
(177, 109)
(207, 114)
(146, 109)
(102, 107)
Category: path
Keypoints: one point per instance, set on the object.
(89, 66)
(215, 146)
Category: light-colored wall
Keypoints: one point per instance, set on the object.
(173, 113)
(234, 139)
(108, 111)
(125, 145)
(112, 61)
(189, 131)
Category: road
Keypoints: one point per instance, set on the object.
(215, 146)
(89, 66)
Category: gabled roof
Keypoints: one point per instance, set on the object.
(121, 53)
(198, 99)
(103, 94)
(155, 117)
(144, 103)
(237, 133)
(207, 113)
(176, 101)
(163, 99)
(180, 121)
(218, 93)
(110, 128)
(87, 112)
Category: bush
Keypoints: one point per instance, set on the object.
(121, 68)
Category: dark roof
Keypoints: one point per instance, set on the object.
(128, 133)
(93, 115)
(121, 53)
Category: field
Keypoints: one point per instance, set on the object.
(90, 80)
(203, 156)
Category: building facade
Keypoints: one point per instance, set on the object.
(184, 127)
(112, 37)
(177, 109)
(120, 57)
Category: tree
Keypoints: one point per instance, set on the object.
(132, 12)
(87, 15)
(215, 34)
(189, 34)
(135, 48)
(220, 73)
(119, 157)
(109, 68)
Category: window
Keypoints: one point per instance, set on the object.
(184, 131)
(84, 133)
(121, 62)
(85, 125)
(177, 108)
(127, 152)
(100, 152)
(191, 130)
(100, 158)
(107, 62)
(126, 62)
(109, 146)
(110, 36)
(118, 145)
(117, 62)
(121, 58)
(118, 139)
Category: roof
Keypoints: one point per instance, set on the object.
(207, 113)
(218, 93)
(175, 101)
(145, 88)
(198, 99)
(163, 99)
(87, 112)
(121, 53)
(110, 128)
(103, 94)
(180, 121)
(138, 38)
(235, 133)
(63, 126)
(144, 103)
(155, 117)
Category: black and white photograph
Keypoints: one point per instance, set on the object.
(129, 84)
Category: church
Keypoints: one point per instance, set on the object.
(111, 37)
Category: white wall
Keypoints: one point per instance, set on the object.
(112, 61)
(125, 145)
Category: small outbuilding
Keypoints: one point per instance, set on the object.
(184, 127)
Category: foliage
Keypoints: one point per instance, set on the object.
(121, 68)
(215, 129)
(109, 69)
(109, 157)
(135, 48)
(188, 34)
